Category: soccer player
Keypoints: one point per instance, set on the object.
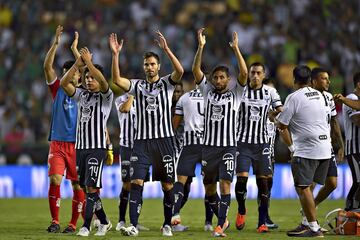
(321, 82)
(352, 144)
(153, 97)
(253, 145)
(221, 113)
(307, 117)
(94, 105)
(62, 154)
(355, 104)
(190, 110)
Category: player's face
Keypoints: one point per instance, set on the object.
(322, 82)
(257, 75)
(220, 80)
(151, 67)
(178, 92)
(91, 84)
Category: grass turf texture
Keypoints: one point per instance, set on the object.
(29, 218)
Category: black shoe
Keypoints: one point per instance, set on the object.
(310, 233)
(69, 229)
(270, 224)
(53, 228)
(298, 230)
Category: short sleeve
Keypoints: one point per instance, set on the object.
(54, 86)
(120, 100)
(275, 98)
(179, 109)
(288, 111)
(77, 94)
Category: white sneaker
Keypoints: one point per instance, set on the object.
(96, 223)
(129, 231)
(175, 220)
(119, 225)
(166, 231)
(84, 232)
(103, 228)
(208, 227)
(179, 228)
(142, 228)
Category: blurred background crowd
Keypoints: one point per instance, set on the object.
(279, 33)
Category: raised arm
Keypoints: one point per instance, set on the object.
(126, 106)
(66, 80)
(243, 71)
(115, 48)
(50, 74)
(98, 76)
(178, 70)
(74, 46)
(196, 67)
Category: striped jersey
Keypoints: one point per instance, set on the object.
(191, 107)
(308, 119)
(93, 113)
(221, 113)
(352, 132)
(153, 107)
(63, 115)
(126, 122)
(271, 128)
(253, 111)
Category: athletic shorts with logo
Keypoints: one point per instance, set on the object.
(257, 155)
(160, 153)
(90, 163)
(218, 163)
(62, 157)
(189, 157)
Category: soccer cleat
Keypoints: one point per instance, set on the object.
(103, 228)
(310, 233)
(298, 230)
(166, 231)
(53, 228)
(175, 220)
(119, 225)
(263, 229)
(270, 224)
(69, 229)
(84, 232)
(142, 228)
(218, 232)
(324, 230)
(96, 223)
(226, 225)
(179, 228)
(240, 221)
(208, 227)
(129, 231)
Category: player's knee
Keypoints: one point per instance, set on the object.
(126, 186)
(75, 185)
(55, 179)
(332, 184)
(210, 189)
(166, 186)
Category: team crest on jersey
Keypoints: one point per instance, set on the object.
(217, 113)
(68, 104)
(255, 113)
(152, 106)
(87, 107)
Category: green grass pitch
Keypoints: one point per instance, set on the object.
(28, 219)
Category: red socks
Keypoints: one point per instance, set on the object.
(54, 202)
(77, 206)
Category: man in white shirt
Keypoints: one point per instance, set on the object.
(306, 117)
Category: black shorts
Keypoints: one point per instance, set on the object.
(306, 171)
(256, 154)
(124, 156)
(89, 164)
(160, 153)
(189, 156)
(218, 163)
(332, 171)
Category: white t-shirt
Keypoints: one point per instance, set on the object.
(308, 118)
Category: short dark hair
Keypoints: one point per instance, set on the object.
(316, 71)
(68, 64)
(97, 66)
(302, 74)
(356, 78)
(151, 54)
(257, 64)
(221, 68)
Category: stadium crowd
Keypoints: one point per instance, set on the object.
(278, 33)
